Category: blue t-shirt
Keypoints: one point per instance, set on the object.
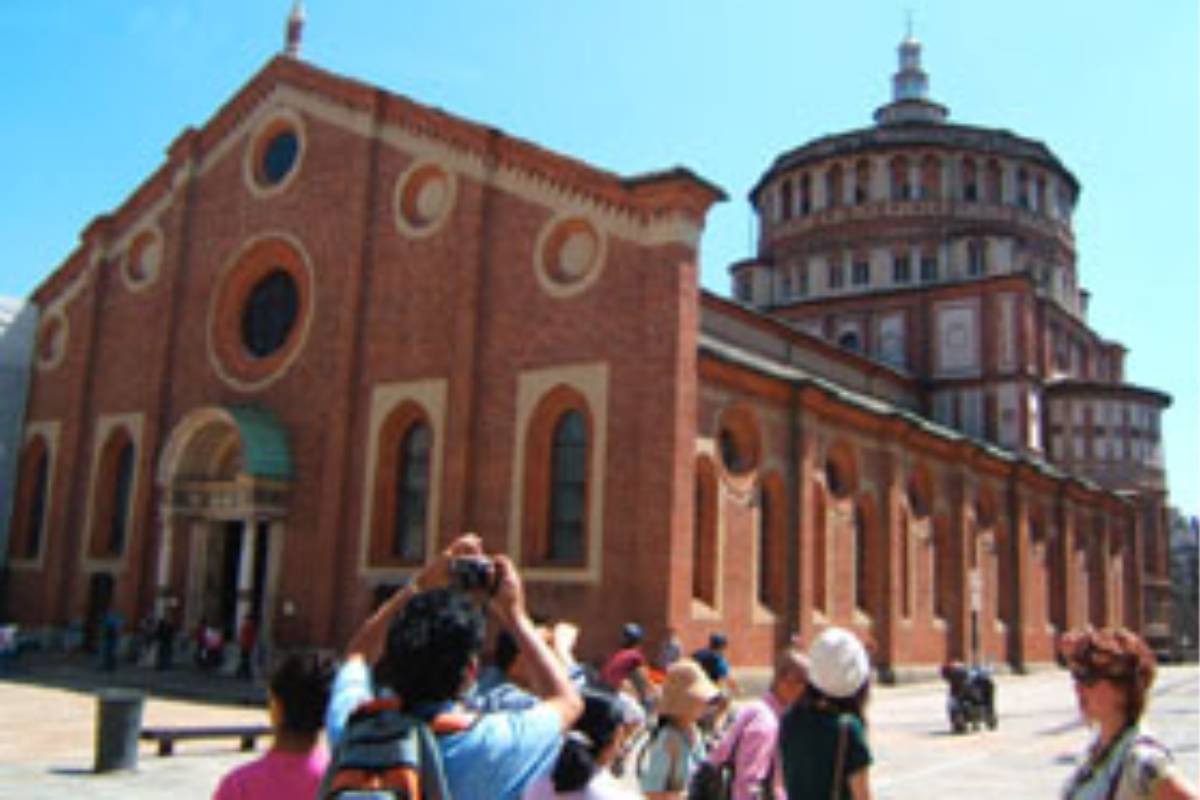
(496, 758)
(713, 662)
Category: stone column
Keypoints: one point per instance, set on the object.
(1019, 612)
(162, 575)
(245, 585)
(890, 608)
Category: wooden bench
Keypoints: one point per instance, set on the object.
(166, 737)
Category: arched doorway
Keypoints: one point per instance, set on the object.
(224, 474)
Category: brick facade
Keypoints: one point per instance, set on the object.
(417, 271)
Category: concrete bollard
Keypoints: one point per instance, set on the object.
(118, 723)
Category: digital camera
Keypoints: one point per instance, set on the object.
(472, 573)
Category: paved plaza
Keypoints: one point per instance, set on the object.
(46, 746)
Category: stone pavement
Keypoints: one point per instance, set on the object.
(46, 743)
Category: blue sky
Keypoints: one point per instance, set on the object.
(96, 90)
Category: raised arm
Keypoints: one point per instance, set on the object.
(547, 674)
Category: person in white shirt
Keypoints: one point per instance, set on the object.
(582, 771)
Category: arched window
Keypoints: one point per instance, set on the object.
(970, 181)
(862, 181)
(849, 340)
(833, 186)
(772, 559)
(976, 258)
(29, 515)
(993, 191)
(862, 555)
(704, 534)
(785, 198)
(1022, 188)
(900, 186)
(568, 489)
(805, 194)
(820, 550)
(941, 567)
(931, 178)
(412, 494)
(113, 496)
(122, 495)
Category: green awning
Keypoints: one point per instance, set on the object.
(265, 451)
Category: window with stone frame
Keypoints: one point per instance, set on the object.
(901, 268)
(970, 181)
(410, 521)
(834, 186)
(704, 533)
(113, 496)
(29, 512)
(862, 272)
(837, 275)
(557, 469)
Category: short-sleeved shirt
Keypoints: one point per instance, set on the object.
(669, 760)
(602, 786)
(495, 759)
(751, 740)
(808, 742)
(1136, 762)
(621, 665)
(276, 775)
(713, 663)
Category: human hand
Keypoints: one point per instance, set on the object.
(436, 573)
(508, 600)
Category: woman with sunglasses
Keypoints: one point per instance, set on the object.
(1113, 670)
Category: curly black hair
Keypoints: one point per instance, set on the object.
(430, 645)
(301, 684)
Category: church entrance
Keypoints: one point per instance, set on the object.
(222, 521)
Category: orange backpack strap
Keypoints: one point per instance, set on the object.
(452, 722)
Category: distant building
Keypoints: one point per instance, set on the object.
(18, 325)
(1185, 585)
(337, 326)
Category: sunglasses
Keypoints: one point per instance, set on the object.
(1086, 677)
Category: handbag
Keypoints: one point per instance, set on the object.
(715, 781)
(839, 762)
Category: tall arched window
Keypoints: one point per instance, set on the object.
(900, 185)
(412, 494)
(113, 496)
(704, 534)
(862, 555)
(820, 550)
(862, 181)
(970, 181)
(833, 186)
(772, 558)
(29, 515)
(785, 198)
(905, 566)
(122, 495)
(568, 489)
(931, 178)
(993, 186)
(805, 194)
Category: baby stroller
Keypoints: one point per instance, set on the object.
(971, 698)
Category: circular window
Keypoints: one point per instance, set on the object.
(261, 313)
(274, 154)
(569, 256)
(143, 259)
(279, 156)
(738, 440)
(270, 313)
(424, 198)
(51, 341)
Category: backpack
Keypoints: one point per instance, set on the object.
(388, 754)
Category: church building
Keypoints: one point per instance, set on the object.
(337, 327)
